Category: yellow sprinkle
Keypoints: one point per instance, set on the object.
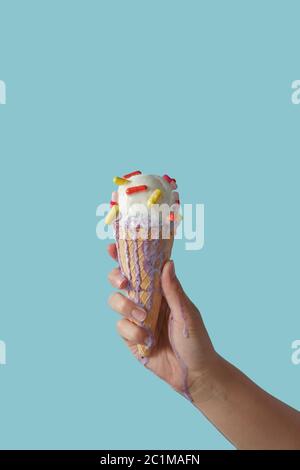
(154, 198)
(119, 181)
(112, 214)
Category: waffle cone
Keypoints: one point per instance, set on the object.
(141, 261)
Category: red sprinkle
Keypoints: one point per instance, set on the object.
(136, 189)
(113, 203)
(167, 178)
(172, 216)
(132, 174)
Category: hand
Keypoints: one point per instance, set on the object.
(183, 355)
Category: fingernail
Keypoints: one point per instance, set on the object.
(122, 281)
(172, 270)
(139, 314)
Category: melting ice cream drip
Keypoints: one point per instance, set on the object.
(143, 360)
(123, 269)
(185, 330)
(150, 268)
(153, 261)
(147, 268)
(137, 270)
(128, 264)
(117, 236)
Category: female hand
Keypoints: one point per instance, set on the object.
(183, 355)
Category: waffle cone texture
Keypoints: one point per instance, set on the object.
(141, 261)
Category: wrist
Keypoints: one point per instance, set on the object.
(208, 382)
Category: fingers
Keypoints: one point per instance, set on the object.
(126, 307)
(131, 332)
(117, 279)
(112, 251)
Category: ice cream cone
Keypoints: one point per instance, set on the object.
(141, 260)
(144, 212)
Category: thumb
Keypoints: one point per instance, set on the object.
(175, 296)
(187, 320)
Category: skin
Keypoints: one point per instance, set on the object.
(246, 415)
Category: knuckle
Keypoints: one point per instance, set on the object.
(123, 303)
(112, 276)
(110, 300)
(119, 326)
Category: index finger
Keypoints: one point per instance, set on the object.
(112, 251)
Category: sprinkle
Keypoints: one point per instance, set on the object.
(154, 198)
(132, 174)
(136, 189)
(112, 214)
(167, 178)
(175, 217)
(113, 203)
(171, 181)
(119, 181)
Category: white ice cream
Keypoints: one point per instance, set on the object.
(130, 204)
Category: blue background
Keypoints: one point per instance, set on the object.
(197, 89)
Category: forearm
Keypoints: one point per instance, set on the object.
(248, 416)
